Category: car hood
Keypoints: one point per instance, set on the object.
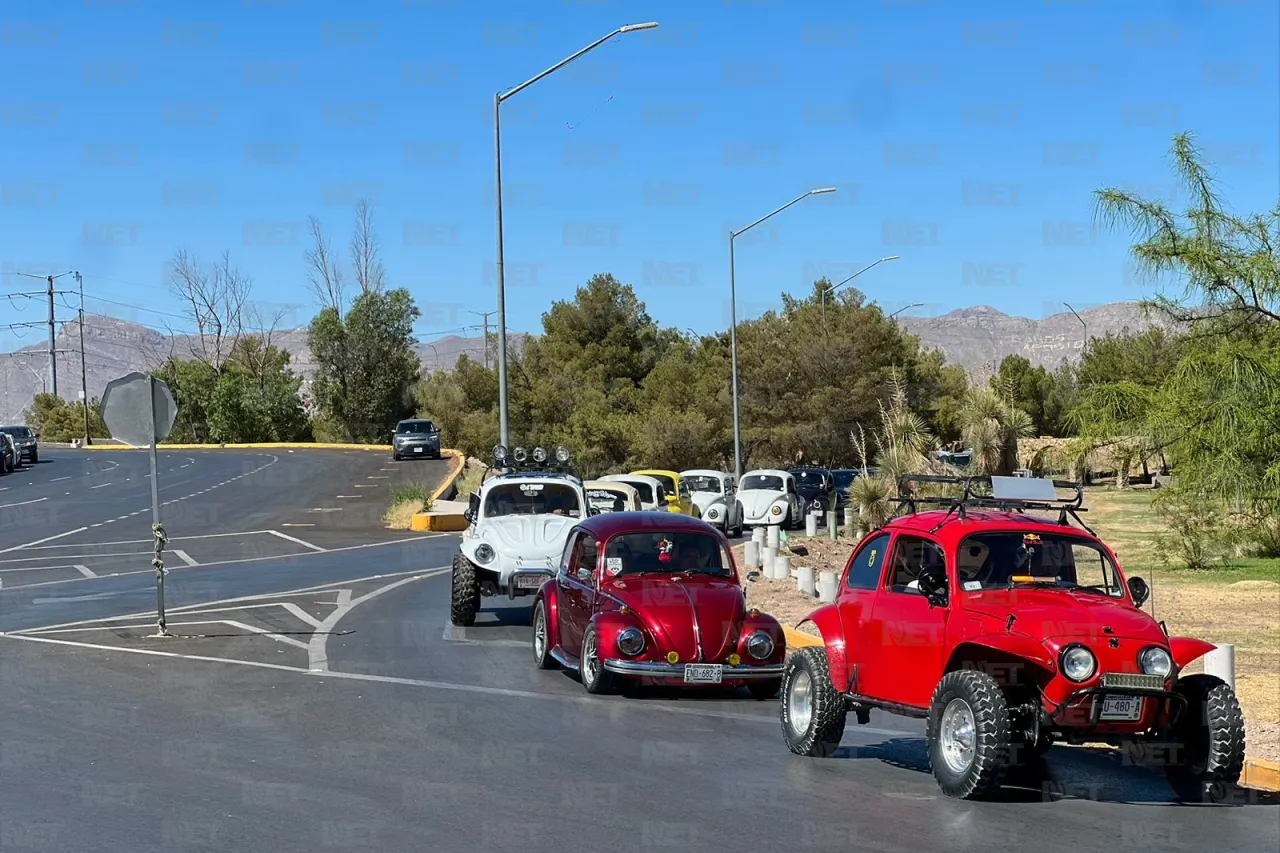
(756, 502)
(704, 500)
(677, 611)
(1060, 614)
(530, 537)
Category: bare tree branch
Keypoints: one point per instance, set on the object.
(369, 272)
(215, 296)
(323, 271)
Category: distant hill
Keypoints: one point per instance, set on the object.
(975, 338)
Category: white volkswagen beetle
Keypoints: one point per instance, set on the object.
(715, 497)
(653, 497)
(520, 521)
(769, 496)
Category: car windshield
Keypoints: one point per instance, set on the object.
(844, 479)
(17, 431)
(607, 500)
(415, 428)
(702, 483)
(1053, 561)
(668, 484)
(666, 552)
(643, 489)
(763, 481)
(532, 499)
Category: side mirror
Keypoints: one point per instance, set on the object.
(1139, 590)
(584, 574)
(593, 510)
(933, 584)
(470, 515)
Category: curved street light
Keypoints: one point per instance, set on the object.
(906, 308)
(733, 325)
(497, 162)
(833, 288)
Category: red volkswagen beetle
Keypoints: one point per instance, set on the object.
(654, 597)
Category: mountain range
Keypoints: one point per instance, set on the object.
(975, 338)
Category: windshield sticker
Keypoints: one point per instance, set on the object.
(972, 586)
(1031, 539)
(664, 551)
(613, 565)
(871, 559)
(530, 487)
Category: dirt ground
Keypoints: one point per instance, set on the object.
(1246, 613)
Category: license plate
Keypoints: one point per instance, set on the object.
(1125, 708)
(529, 581)
(417, 450)
(703, 673)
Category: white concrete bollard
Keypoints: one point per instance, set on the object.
(767, 556)
(827, 587)
(781, 568)
(804, 582)
(751, 555)
(831, 524)
(1222, 663)
(848, 519)
(774, 539)
(811, 524)
(758, 535)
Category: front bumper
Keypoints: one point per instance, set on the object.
(1083, 708)
(654, 669)
(515, 587)
(419, 448)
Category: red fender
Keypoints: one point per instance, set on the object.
(772, 627)
(1186, 649)
(551, 601)
(827, 620)
(608, 624)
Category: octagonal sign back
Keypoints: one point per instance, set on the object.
(131, 417)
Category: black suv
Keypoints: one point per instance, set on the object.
(415, 437)
(25, 441)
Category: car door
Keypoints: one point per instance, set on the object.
(686, 497)
(575, 592)
(856, 599)
(908, 632)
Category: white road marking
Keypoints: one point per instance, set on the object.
(84, 570)
(278, 637)
(317, 649)
(347, 496)
(23, 503)
(95, 597)
(42, 541)
(57, 479)
(377, 477)
(8, 560)
(296, 540)
(184, 557)
(326, 509)
(364, 485)
(290, 524)
(149, 541)
(302, 614)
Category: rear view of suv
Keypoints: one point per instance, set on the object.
(25, 442)
(415, 437)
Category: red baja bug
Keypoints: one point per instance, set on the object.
(1006, 632)
(654, 596)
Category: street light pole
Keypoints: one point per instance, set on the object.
(906, 308)
(497, 168)
(84, 368)
(836, 287)
(733, 328)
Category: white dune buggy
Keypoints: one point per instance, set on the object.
(519, 522)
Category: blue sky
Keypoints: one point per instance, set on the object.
(964, 136)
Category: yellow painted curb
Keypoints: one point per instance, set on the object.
(1259, 773)
(441, 523)
(799, 639)
(297, 445)
(459, 461)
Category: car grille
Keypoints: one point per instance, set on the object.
(1133, 681)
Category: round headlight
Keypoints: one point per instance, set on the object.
(484, 553)
(1155, 661)
(713, 514)
(499, 452)
(759, 645)
(777, 510)
(1078, 663)
(521, 455)
(562, 454)
(539, 455)
(630, 641)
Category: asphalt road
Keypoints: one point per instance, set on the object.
(361, 721)
(80, 514)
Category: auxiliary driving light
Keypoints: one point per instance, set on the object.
(521, 455)
(499, 452)
(539, 455)
(562, 454)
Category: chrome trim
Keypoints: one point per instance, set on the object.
(1132, 681)
(652, 669)
(697, 629)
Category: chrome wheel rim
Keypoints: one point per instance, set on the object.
(800, 702)
(589, 664)
(539, 633)
(958, 736)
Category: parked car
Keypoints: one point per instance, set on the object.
(714, 495)
(1007, 633)
(415, 437)
(816, 487)
(654, 597)
(8, 454)
(770, 497)
(652, 494)
(26, 440)
(611, 496)
(843, 478)
(519, 520)
(677, 492)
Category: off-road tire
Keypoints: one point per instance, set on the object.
(765, 689)
(990, 762)
(1212, 741)
(821, 737)
(464, 603)
(542, 659)
(601, 681)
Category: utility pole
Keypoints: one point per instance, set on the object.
(84, 369)
(485, 316)
(53, 359)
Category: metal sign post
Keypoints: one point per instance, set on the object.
(144, 423)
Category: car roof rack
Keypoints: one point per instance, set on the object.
(1003, 494)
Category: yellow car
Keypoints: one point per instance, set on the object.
(679, 499)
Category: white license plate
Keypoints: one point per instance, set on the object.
(529, 581)
(703, 673)
(417, 450)
(1124, 708)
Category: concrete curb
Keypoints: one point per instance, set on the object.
(1259, 773)
(283, 445)
(443, 522)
